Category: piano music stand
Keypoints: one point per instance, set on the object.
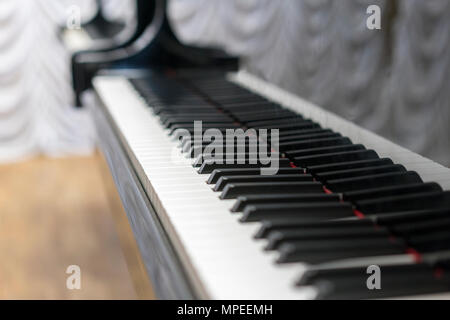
(154, 44)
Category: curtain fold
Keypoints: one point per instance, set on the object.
(420, 95)
(36, 99)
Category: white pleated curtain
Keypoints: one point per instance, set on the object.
(36, 111)
(393, 81)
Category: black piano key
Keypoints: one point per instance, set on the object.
(234, 93)
(212, 82)
(320, 251)
(191, 117)
(248, 147)
(405, 217)
(244, 201)
(235, 100)
(181, 107)
(224, 88)
(225, 180)
(349, 165)
(309, 134)
(351, 283)
(178, 98)
(336, 158)
(208, 82)
(293, 223)
(245, 106)
(255, 113)
(246, 140)
(159, 84)
(216, 84)
(178, 133)
(257, 118)
(277, 237)
(170, 121)
(188, 100)
(248, 112)
(290, 127)
(314, 275)
(417, 201)
(312, 211)
(208, 167)
(425, 230)
(208, 124)
(224, 97)
(230, 102)
(190, 127)
(314, 143)
(299, 136)
(278, 122)
(324, 150)
(166, 116)
(430, 242)
(164, 113)
(352, 290)
(191, 141)
(217, 174)
(219, 91)
(352, 173)
(235, 157)
(373, 181)
(177, 103)
(411, 229)
(234, 190)
(391, 191)
(440, 260)
(242, 103)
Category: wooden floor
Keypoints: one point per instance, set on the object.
(56, 213)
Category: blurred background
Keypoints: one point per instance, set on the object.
(54, 208)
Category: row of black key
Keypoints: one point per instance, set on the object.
(299, 219)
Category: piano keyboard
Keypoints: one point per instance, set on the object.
(343, 199)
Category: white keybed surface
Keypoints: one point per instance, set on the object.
(218, 252)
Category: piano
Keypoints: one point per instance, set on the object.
(343, 199)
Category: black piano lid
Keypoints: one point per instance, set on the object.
(153, 45)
